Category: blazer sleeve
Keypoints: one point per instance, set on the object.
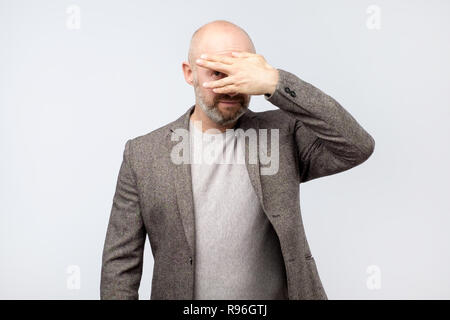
(329, 140)
(123, 250)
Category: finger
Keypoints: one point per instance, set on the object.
(241, 54)
(219, 83)
(219, 58)
(226, 89)
(216, 66)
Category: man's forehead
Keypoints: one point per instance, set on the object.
(222, 52)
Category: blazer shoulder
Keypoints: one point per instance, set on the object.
(152, 136)
(275, 119)
(157, 136)
(150, 145)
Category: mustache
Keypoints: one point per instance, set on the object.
(230, 100)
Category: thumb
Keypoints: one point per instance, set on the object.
(240, 54)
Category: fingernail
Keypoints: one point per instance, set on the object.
(205, 84)
(203, 56)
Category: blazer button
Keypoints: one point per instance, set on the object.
(287, 90)
(190, 260)
(293, 94)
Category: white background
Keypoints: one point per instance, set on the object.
(70, 98)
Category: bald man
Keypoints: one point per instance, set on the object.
(217, 190)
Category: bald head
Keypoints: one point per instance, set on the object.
(218, 37)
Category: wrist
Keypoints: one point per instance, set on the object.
(273, 82)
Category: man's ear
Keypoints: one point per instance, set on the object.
(188, 73)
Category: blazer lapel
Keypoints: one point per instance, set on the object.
(182, 181)
(249, 121)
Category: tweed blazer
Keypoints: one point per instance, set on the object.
(153, 197)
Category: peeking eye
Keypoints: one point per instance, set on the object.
(217, 73)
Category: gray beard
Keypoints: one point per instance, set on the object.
(214, 113)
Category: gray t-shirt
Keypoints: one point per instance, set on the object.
(238, 255)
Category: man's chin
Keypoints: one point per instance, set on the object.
(224, 115)
(231, 112)
(228, 110)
